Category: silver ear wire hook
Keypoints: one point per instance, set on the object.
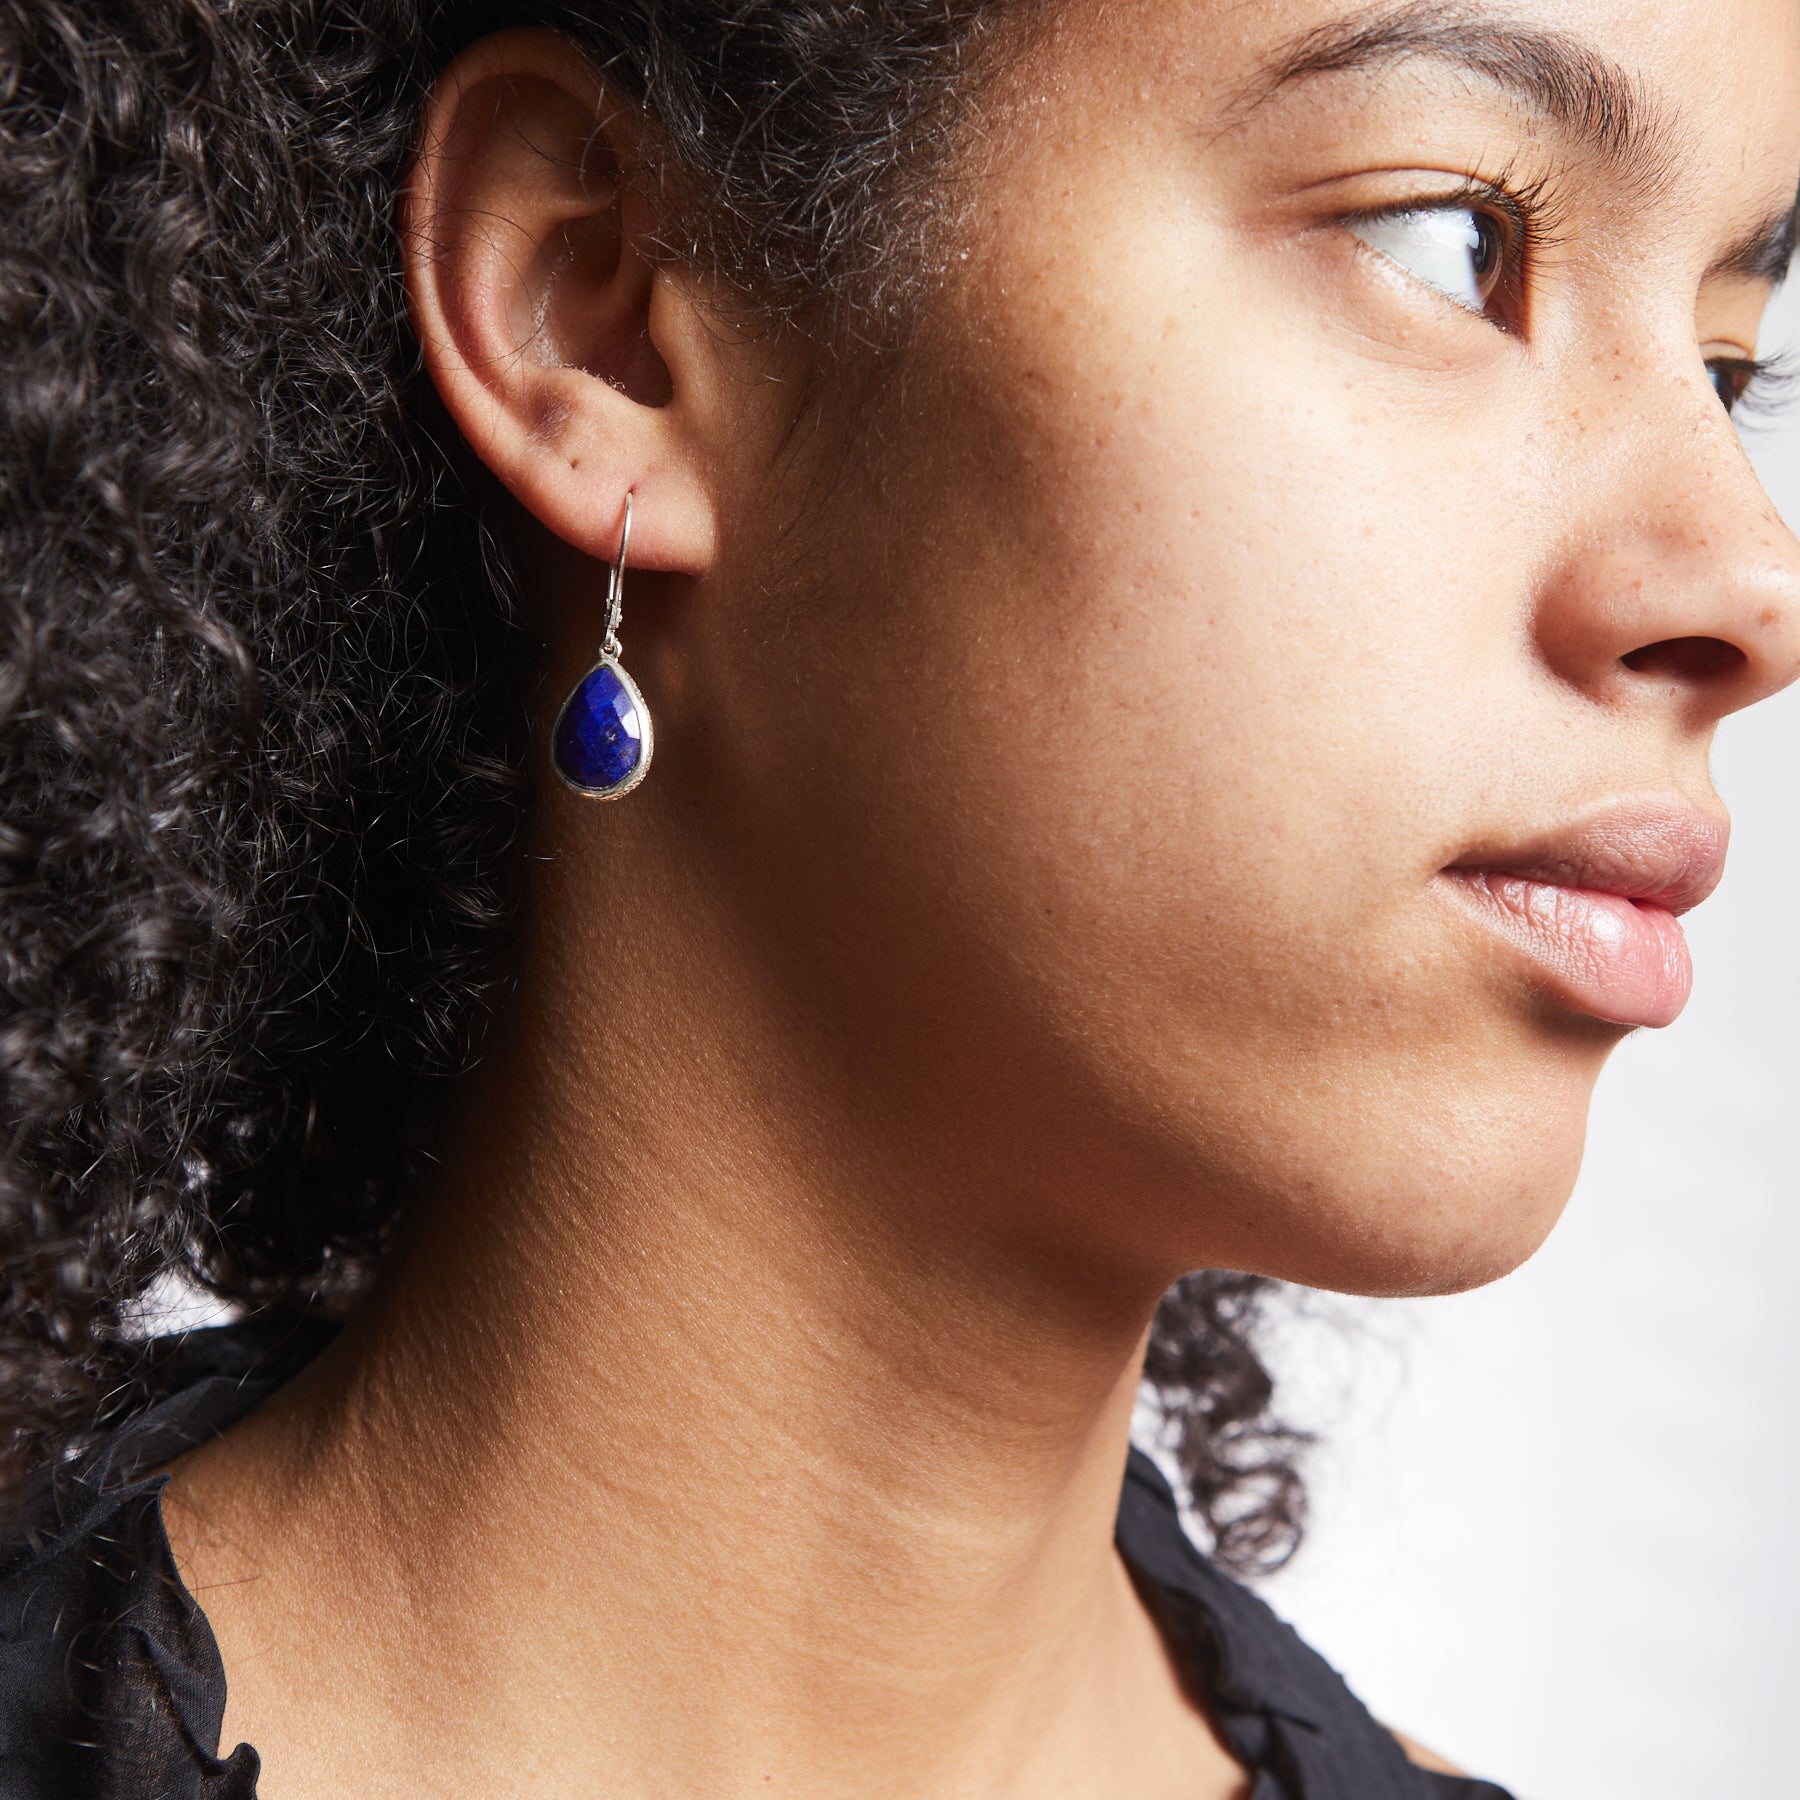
(615, 586)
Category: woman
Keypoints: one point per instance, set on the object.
(1183, 558)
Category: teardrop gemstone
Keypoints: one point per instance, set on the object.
(601, 739)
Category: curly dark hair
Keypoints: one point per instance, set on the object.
(261, 737)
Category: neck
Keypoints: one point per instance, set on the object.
(761, 1459)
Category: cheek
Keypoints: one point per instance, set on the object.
(1231, 726)
(1215, 677)
(1144, 707)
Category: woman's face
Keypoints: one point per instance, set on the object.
(1223, 744)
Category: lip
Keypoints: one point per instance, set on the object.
(1594, 908)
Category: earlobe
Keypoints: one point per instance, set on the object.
(562, 347)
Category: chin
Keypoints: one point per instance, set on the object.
(1478, 1221)
(1438, 1196)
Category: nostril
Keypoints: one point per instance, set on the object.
(1686, 659)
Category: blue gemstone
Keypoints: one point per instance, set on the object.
(599, 736)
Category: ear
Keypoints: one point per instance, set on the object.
(577, 365)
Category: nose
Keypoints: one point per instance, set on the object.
(1678, 582)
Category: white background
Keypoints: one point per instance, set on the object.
(1556, 1521)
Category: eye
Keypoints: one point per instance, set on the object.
(1731, 377)
(1458, 250)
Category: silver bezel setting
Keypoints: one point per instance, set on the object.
(645, 743)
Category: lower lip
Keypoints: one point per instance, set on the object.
(1625, 961)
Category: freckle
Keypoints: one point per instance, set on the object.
(1771, 617)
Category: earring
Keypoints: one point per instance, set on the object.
(600, 743)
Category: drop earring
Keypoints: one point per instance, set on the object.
(600, 743)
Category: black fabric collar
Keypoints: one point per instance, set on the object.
(1283, 1709)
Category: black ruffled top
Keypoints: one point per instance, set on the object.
(111, 1687)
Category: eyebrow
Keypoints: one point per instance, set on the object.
(1765, 251)
(1588, 96)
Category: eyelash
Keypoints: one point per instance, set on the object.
(1764, 385)
(1526, 229)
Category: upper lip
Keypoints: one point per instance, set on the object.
(1661, 853)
